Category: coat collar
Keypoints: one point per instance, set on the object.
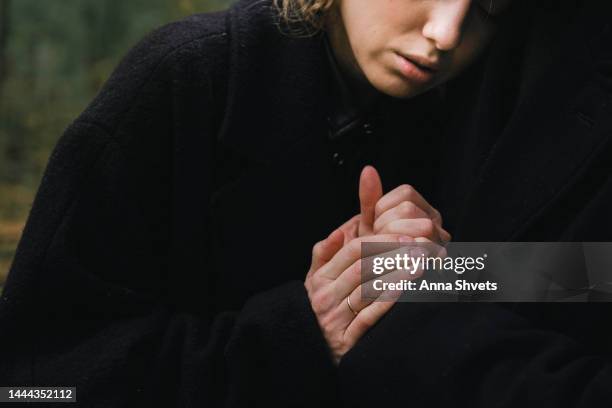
(560, 122)
(270, 70)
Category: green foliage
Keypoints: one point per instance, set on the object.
(58, 54)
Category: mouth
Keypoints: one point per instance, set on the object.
(417, 68)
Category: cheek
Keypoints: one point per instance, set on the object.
(369, 26)
(364, 40)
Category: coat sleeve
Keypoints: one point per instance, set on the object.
(476, 355)
(90, 300)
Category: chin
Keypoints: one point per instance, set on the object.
(400, 89)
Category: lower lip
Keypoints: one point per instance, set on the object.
(413, 72)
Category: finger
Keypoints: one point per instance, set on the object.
(375, 287)
(354, 276)
(426, 248)
(370, 191)
(358, 303)
(323, 251)
(419, 227)
(351, 252)
(368, 317)
(348, 280)
(444, 235)
(402, 193)
(351, 228)
(404, 210)
(433, 249)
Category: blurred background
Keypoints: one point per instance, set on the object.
(54, 57)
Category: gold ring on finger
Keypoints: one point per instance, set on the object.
(348, 302)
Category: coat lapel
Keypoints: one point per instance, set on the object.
(560, 122)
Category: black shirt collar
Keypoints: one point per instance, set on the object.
(348, 107)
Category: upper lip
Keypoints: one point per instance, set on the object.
(423, 62)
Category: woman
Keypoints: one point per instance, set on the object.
(168, 258)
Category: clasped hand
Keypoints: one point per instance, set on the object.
(334, 282)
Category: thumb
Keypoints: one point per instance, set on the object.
(370, 191)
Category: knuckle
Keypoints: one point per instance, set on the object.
(437, 215)
(428, 227)
(308, 284)
(407, 208)
(354, 248)
(317, 249)
(314, 283)
(406, 190)
(321, 301)
(354, 271)
(318, 310)
(356, 267)
(326, 321)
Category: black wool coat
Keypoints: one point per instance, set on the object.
(164, 256)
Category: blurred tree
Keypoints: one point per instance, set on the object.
(14, 148)
(4, 33)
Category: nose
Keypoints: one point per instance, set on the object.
(444, 23)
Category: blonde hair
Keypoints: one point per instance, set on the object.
(303, 16)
